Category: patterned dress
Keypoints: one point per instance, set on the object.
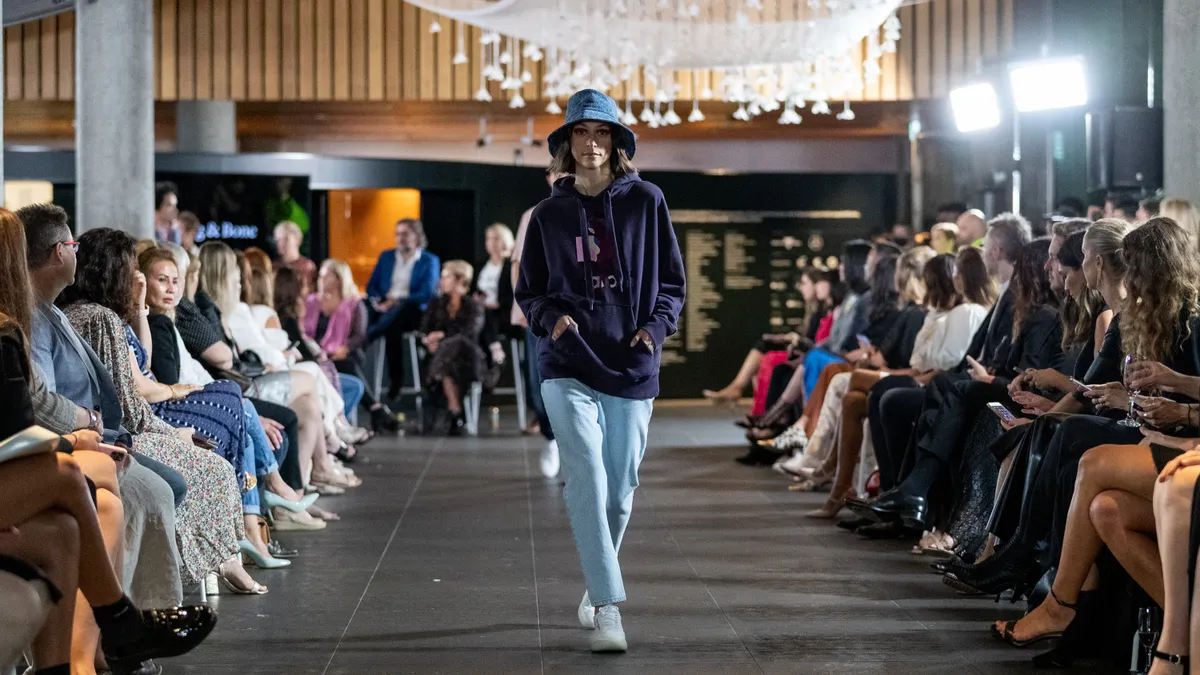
(209, 523)
(215, 412)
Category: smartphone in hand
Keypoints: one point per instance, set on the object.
(863, 342)
(202, 442)
(1002, 412)
(1081, 385)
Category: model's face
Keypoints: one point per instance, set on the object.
(591, 145)
(406, 239)
(1053, 268)
(162, 285)
(496, 245)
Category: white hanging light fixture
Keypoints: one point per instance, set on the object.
(766, 60)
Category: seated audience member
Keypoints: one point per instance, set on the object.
(1125, 207)
(494, 284)
(189, 229)
(172, 364)
(402, 284)
(871, 317)
(209, 523)
(1112, 500)
(333, 321)
(166, 212)
(450, 330)
(1004, 246)
(48, 496)
(1183, 212)
(1175, 523)
(972, 228)
(816, 288)
(288, 239)
(943, 237)
(219, 299)
(275, 398)
(1060, 433)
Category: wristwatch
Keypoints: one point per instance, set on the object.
(97, 422)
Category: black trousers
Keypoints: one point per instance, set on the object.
(780, 376)
(942, 431)
(892, 408)
(407, 320)
(289, 464)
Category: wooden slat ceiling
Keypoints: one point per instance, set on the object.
(382, 50)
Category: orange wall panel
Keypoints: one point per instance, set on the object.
(362, 224)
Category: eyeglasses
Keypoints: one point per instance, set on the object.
(73, 245)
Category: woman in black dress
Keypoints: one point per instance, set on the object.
(1112, 502)
(451, 328)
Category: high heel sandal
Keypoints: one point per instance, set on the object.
(265, 562)
(1078, 640)
(1006, 634)
(1174, 659)
(721, 400)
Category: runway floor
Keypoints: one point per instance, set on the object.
(456, 557)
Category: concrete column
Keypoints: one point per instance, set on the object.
(206, 126)
(114, 115)
(1181, 99)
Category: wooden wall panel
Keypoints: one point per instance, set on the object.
(383, 50)
(185, 26)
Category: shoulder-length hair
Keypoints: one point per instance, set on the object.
(16, 292)
(938, 275)
(218, 264)
(978, 287)
(345, 277)
(289, 294)
(256, 289)
(1030, 283)
(910, 279)
(1078, 312)
(104, 267)
(619, 162)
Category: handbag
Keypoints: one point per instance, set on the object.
(250, 364)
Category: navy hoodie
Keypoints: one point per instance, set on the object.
(610, 262)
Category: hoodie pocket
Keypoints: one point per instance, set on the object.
(604, 336)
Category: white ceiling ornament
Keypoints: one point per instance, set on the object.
(774, 54)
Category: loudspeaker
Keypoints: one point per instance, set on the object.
(1124, 148)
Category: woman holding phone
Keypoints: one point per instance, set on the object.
(602, 285)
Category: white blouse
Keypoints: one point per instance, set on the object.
(276, 337)
(190, 370)
(489, 282)
(249, 336)
(944, 338)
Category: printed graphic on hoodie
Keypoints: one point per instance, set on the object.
(599, 251)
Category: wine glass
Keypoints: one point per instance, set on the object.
(1131, 419)
(1148, 631)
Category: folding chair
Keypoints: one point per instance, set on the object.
(516, 358)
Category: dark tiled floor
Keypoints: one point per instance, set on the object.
(456, 557)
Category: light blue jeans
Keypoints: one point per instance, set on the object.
(258, 459)
(352, 391)
(601, 442)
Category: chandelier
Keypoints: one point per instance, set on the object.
(773, 55)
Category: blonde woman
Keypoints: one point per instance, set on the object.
(219, 295)
(943, 237)
(494, 286)
(1183, 212)
(451, 328)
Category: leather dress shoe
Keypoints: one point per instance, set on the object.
(885, 530)
(853, 524)
(894, 505)
(164, 633)
(862, 508)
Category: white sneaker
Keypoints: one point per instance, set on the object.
(609, 636)
(549, 460)
(587, 613)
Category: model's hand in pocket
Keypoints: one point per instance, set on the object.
(644, 339)
(565, 323)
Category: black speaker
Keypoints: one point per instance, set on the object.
(1124, 148)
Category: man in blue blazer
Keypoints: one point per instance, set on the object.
(404, 281)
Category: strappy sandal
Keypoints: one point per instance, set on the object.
(1006, 634)
(811, 485)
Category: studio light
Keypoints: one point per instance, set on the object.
(975, 107)
(1048, 84)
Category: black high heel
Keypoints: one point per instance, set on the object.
(1006, 634)
(1077, 639)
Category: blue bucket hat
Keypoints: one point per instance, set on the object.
(589, 105)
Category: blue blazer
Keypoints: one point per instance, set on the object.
(422, 288)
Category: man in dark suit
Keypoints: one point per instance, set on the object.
(404, 281)
(919, 451)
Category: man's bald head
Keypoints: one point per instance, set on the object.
(971, 227)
